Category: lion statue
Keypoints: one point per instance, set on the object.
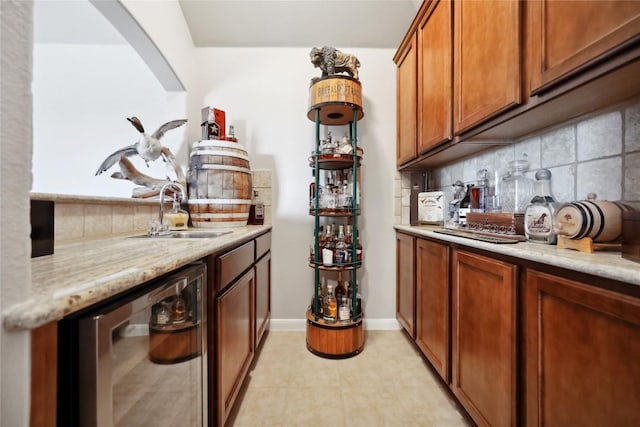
(331, 61)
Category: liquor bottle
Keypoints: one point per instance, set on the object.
(231, 136)
(344, 313)
(539, 213)
(341, 249)
(330, 306)
(465, 206)
(341, 291)
(256, 210)
(312, 191)
(178, 309)
(163, 316)
(320, 301)
(358, 247)
(328, 248)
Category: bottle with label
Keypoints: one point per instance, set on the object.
(341, 291)
(231, 135)
(342, 250)
(330, 306)
(178, 309)
(465, 206)
(328, 248)
(256, 210)
(163, 316)
(539, 213)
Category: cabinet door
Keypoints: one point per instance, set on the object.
(235, 341)
(582, 353)
(263, 296)
(435, 64)
(487, 58)
(44, 375)
(568, 36)
(484, 338)
(433, 303)
(405, 282)
(407, 108)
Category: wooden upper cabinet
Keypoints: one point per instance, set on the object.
(484, 358)
(487, 60)
(565, 37)
(406, 61)
(433, 302)
(435, 63)
(582, 351)
(405, 283)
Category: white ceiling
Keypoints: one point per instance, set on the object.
(246, 23)
(301, 23)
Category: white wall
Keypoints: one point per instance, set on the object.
(265, 95)
(83, 94)
(15, 181)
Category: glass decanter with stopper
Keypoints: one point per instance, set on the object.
(516, 188)
(539, 213)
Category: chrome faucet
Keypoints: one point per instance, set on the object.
(182, 198)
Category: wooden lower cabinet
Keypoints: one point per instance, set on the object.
(44, 378)
(433, 304)
(263, 296)
(582, 354)
(484, 359)
(405, 283)
(235, 324)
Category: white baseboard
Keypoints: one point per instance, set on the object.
(300, 324)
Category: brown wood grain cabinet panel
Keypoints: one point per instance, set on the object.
(44, 378)
(407, 108)
(484, 362)
(435, 68)
(235, 341)
(433, 304)
(263, 296)
(263, 245)
(582, 354)
(233, 263)
(566, 37)
(405, 282)
(487, 60)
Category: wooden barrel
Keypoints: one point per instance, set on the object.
(219, 184)
(336, 97)
(174, 344)
(601, 220)
(334, 340)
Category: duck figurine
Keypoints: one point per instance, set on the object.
(148, 146)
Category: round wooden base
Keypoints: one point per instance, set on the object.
(336, 96)
(334, 340)
(171, 344)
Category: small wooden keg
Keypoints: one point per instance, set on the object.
(219, 184)
(336, 97)
(601, 220)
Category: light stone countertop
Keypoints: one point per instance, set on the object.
(607, 264)
(83, 273)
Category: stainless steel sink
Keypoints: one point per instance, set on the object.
(186, 234)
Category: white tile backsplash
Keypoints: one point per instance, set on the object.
(583, 156)
(558, 147)
(632, 177)
(602, 177)
(632, 128)
(600, 136)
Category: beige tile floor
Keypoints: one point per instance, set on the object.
(388, 384)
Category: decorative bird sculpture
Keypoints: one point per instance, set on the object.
(148, 146)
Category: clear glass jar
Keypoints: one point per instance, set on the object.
(516, 189)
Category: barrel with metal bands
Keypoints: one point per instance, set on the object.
(219, 184)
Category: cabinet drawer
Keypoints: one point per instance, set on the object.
(233, 263)
(263, 245)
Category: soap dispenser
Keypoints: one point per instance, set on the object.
(177, 218)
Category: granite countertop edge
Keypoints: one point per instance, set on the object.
(606, 264)
(81, 274)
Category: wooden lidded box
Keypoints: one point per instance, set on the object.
(496, 222)
(631, 236)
